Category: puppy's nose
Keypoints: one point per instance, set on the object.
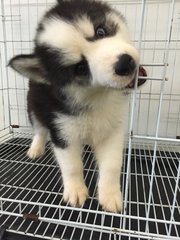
(125, 65)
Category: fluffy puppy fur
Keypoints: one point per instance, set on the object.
(80, 71)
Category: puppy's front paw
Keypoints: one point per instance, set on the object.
(35, 151)
(75, 194)
(110, 199)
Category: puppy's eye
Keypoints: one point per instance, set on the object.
(101, 32)
(81, 68)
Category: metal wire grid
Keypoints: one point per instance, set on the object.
(35, 187)
(157, 121)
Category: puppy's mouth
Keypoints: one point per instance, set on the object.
(141, 81)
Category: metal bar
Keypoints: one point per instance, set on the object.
(152, 78)
(160, 104)
(5, 57)
(132, 113)
(82, 210)
(174, 66)
(159, 194)
(105, 229)
(153, 64)
(155, 138)
(15, 75)
(134, 234)
(151, 83)
(137, 191)
(174, 199)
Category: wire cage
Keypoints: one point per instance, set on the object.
(31, 201)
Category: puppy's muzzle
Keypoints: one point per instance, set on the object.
(125, 65)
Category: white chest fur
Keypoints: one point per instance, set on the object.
(108, 113)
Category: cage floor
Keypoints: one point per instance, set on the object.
(22, 179)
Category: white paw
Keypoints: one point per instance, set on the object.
(35, 151)
(111, 200)
(75, 194)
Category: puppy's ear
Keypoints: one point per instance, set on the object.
(28, 66)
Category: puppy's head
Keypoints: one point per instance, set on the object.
(83, 42)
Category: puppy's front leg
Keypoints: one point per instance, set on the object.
(69, 159)
(109, 157)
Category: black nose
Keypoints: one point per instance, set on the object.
(125, 65)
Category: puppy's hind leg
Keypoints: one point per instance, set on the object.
(37, 147)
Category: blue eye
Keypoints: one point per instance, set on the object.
(100, 32)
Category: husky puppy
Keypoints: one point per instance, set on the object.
(81, 68)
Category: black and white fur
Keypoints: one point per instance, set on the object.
(79, 71)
